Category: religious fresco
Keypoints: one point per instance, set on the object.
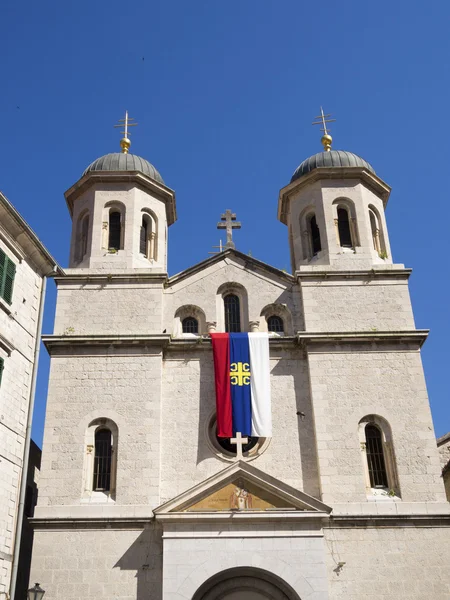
(239, 495)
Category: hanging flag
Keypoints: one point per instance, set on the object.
(242, 378)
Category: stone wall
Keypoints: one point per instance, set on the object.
(115, 307)
(400, 561)
(189, 404)
(99, 563)
(372, 302)
(202, 289)
(351, 381)
(124, 386)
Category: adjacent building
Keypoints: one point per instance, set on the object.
(24, 266)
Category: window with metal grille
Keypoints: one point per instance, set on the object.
(375, 457)
(102, 461)
(2, 364)
(275, 324)
(315, 236)
(190, 325)
(115, 227)
(232, 313)
(7, 274)
(345, 236)
(143, 237)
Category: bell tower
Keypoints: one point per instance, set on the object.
(120, 210)
(334, 209)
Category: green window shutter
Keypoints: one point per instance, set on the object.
(2, 364)
(3, 260)
(10, 273)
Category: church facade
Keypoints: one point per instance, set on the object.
(139, 499)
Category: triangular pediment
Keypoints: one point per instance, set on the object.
(241, 488)
(232, 256)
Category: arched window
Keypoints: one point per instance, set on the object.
(375, 457)
(84, 236)
(143, 237)
(378, 455)
(343, 223)
(147, 238)
(232, 313)
(114, 230)
(375, 231)
(314, 234)
(102, 460)
(190, 325)
(275, 324)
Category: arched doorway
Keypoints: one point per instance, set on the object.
(245, 583)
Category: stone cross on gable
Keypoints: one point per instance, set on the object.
(229, 223)
(239, 441)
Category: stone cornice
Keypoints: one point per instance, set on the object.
(372, 181)
(417, 335)
(7, 346)
(413, 520)
(60, 341)
(21, 239)
(302, 338)
(134, 277)
(164, 193)
(301, 517)
(242, 516)
(399, 273)
(132, 523)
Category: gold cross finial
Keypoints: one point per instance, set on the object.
(125, 142)
(323, 120)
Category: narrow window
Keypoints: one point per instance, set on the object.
(2, 364)
(375, 457)
(275, 324)
(232, 313)
(102, 461)
(143, 237)
(377, 234)
(84, 237)
(345, 237)
(114, 230)
(7, 274)
(315, 236)
(190, 325)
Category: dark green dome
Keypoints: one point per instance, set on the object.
(333, 158)
(118, 161)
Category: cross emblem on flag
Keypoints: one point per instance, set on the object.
(240, 373)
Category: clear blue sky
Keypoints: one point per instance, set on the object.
(224, 94)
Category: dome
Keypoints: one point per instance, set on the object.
(119, 161)
(333, 158)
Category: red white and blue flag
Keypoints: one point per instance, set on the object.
(242, 378)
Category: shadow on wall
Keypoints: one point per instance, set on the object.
(145, 558)
(207, 404)
(305, 420)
